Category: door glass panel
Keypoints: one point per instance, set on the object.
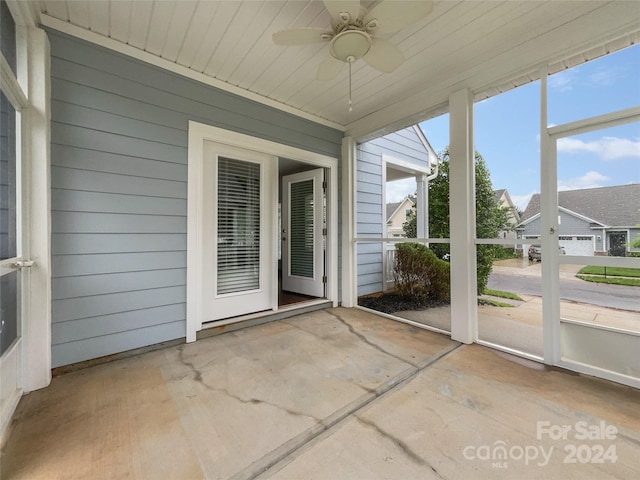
(238, 259)
(8, 309)
(302, 229)
(7, 179)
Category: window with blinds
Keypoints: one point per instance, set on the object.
(301, 243)
(238, 268)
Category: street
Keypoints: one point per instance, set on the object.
(612, 296)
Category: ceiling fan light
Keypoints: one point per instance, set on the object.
(350, 43)
(372, 24)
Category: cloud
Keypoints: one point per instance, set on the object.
(563, 80)
(399, 189)
(604, 78)
(607, 148)
(588, 180)
(566, 79)
(521, 201)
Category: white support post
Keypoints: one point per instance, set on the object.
(462, 214)
(38, 322)
(549, 234)
(422, 204)
(349, 267)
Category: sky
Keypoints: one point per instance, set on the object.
(507, 130)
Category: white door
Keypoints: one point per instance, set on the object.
(239, 258)
(303, 213)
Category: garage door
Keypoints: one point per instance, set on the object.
(582, 246)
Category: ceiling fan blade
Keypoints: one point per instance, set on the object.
(384, 56)
(336, 7)
(329, 68)
(394, 16)
(300, 36)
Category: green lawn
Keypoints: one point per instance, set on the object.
(495, 303)
(613, 271)
(501, 294)
(632, 282)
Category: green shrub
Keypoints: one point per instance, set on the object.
(419, 273)
(502, 253)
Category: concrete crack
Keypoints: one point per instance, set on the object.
(367, 341)
(406, 449)
(197, 376)
(259, 468)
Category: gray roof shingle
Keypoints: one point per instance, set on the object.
(617, 206)
(391, 207)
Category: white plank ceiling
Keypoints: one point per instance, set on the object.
(487, 46)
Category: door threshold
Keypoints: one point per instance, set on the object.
(218, 327)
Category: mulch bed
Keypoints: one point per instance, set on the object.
(391, 303)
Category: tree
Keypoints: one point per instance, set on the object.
(491, 217)
(410, 227)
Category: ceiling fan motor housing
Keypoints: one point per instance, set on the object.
(350, 45)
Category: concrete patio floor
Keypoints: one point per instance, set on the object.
(520, 327)
(333, 394)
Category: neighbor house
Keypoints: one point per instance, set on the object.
(149, 150)
(405, 154)
(591, 221)
(503, 199)
(398, 214)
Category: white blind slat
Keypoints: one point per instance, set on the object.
(238, 259)
(302, 219)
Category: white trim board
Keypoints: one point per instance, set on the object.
(198, 134)
(147, 57)
(406, 166)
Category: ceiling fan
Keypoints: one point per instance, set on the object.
(353, 33)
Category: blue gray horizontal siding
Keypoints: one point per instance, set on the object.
(404, 145)
(575, 226)
(119, 136)
(569, 225)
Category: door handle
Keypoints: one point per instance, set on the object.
(23, 264)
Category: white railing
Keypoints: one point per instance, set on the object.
(389, 260)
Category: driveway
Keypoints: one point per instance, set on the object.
(334, 394)
(533, 269)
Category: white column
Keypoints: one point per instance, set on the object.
(422, 203)
(38, 321)
(349, 267)
(462, 208)
(549, 234)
